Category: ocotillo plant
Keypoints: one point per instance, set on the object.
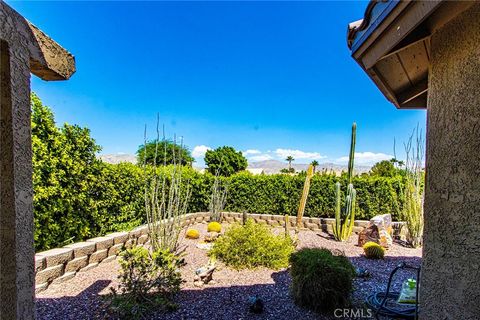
(345, 215)
(166, 200)
(303, 200)
(218, 198)
(413, 209)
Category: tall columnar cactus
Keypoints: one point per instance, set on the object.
(303, 200)
(345, 215)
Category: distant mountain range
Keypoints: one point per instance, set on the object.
(268, 166)
(117, 158)
(274, 166)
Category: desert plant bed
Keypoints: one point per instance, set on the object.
(83, 297)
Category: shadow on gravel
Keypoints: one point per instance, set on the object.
(88, 304)
(380, 271)
(231, 303)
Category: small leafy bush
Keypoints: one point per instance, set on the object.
(253, 245)
(321, 280)
(214, 227)
(373, 250)
(148, 281)
(192, 234)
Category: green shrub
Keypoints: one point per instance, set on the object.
(321, 280)
(253, 245)
(373, 250)
(148, 281)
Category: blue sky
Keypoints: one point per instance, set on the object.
(273, 78)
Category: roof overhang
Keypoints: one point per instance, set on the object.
(48, 60)
(392, 45)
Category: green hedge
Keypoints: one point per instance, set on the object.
(280, 194)
(115, 200)
(77, 196)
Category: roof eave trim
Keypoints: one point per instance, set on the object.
(48, 60)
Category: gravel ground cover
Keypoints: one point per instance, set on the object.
(226, 298)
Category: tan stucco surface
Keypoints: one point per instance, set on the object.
(16, 211)
(48, 60)
(23, 49)
(450, 287)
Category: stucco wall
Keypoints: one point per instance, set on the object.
(451, 256)
(23, 49)
(16, 191)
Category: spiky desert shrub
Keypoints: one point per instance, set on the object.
(214, 227)
(218, 198)
(253, 245)
(321, 280)
(413, 188)
(166, 198)
(148, 281)
(373, 250)
(192, 234)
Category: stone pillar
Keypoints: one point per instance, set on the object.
(450, 284)
(16, 191)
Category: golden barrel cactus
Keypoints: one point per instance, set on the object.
(214, 227)
(373, 250)
(192, 234)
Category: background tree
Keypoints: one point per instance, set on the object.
(290, 159)
(165, 153)
(314, 165)
(225, 161)
(397, 163)
(384, 168)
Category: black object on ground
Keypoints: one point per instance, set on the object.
(362, 273)
(255, 305)
(385, 303)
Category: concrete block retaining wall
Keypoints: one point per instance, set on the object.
(314, 224)
(60, 264)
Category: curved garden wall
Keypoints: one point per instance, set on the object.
(60, 264)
